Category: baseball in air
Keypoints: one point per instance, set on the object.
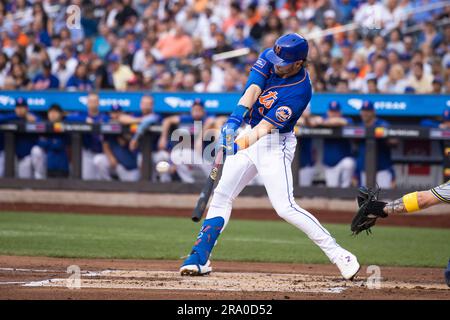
(162, 167)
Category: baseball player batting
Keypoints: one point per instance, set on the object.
(277, 92)
(370, 208)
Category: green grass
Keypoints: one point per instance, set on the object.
(91, 236)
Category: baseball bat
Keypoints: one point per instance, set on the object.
(208, 187)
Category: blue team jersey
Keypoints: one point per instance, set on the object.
(384, 161)
(428, 123)
(122, 153)
(282, 100)
(92, 142)
(55, 145)
(306, 152)
(24, 141)
(334, 150)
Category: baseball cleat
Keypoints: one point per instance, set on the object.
(348, 265)
(193, 267)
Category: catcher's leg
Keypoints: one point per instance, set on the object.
(238, 170)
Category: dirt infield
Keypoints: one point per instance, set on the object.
(46, 278)
(324, 216)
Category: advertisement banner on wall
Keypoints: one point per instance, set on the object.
(224, 103)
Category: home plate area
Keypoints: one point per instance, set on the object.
(219, 281)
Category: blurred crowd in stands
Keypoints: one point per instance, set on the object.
(389, 46)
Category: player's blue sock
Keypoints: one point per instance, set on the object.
(447, 274)
(206, 239)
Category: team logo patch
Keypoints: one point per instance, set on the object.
(283, 113)
(277, 50)
(260, 63)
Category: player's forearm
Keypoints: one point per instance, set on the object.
(127, 119)
(166, 124)
(334, 122)
(262, 129)
(411, 202)
(250, 95)
(143, 126)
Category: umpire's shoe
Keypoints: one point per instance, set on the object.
(447, 274)
(192, 266)
(348, 265)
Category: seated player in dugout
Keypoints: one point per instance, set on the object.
(187, 156)
(25, 168)
(441, 122)
(92, 142)
(278, 91)
(146, 118)
(384, 175)
(50, 155)
(117, 159)
(337, 153)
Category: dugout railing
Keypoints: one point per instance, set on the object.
(76, 130)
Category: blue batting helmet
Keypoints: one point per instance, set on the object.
(288, 49)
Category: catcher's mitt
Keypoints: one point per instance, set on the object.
(370, 209)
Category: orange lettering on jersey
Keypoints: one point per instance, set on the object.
(261, 110)
(268, 99)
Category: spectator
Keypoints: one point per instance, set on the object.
(437, 86)
(18, 72)
(395, 42)
(80, 81)
(175, 45)
(4, 68)
(355, 83)
(120, 73)
(50, 154)
(92, 143)
(188, 82)
(371, 15)
(101, 45)
(384, 177)
(346, 9)
(419, 80)
(372, 86)
(63, 70)
(396, 82)
(45, 80)
(140, 57)
(207, 84)
(342, 86)
(54, 50)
